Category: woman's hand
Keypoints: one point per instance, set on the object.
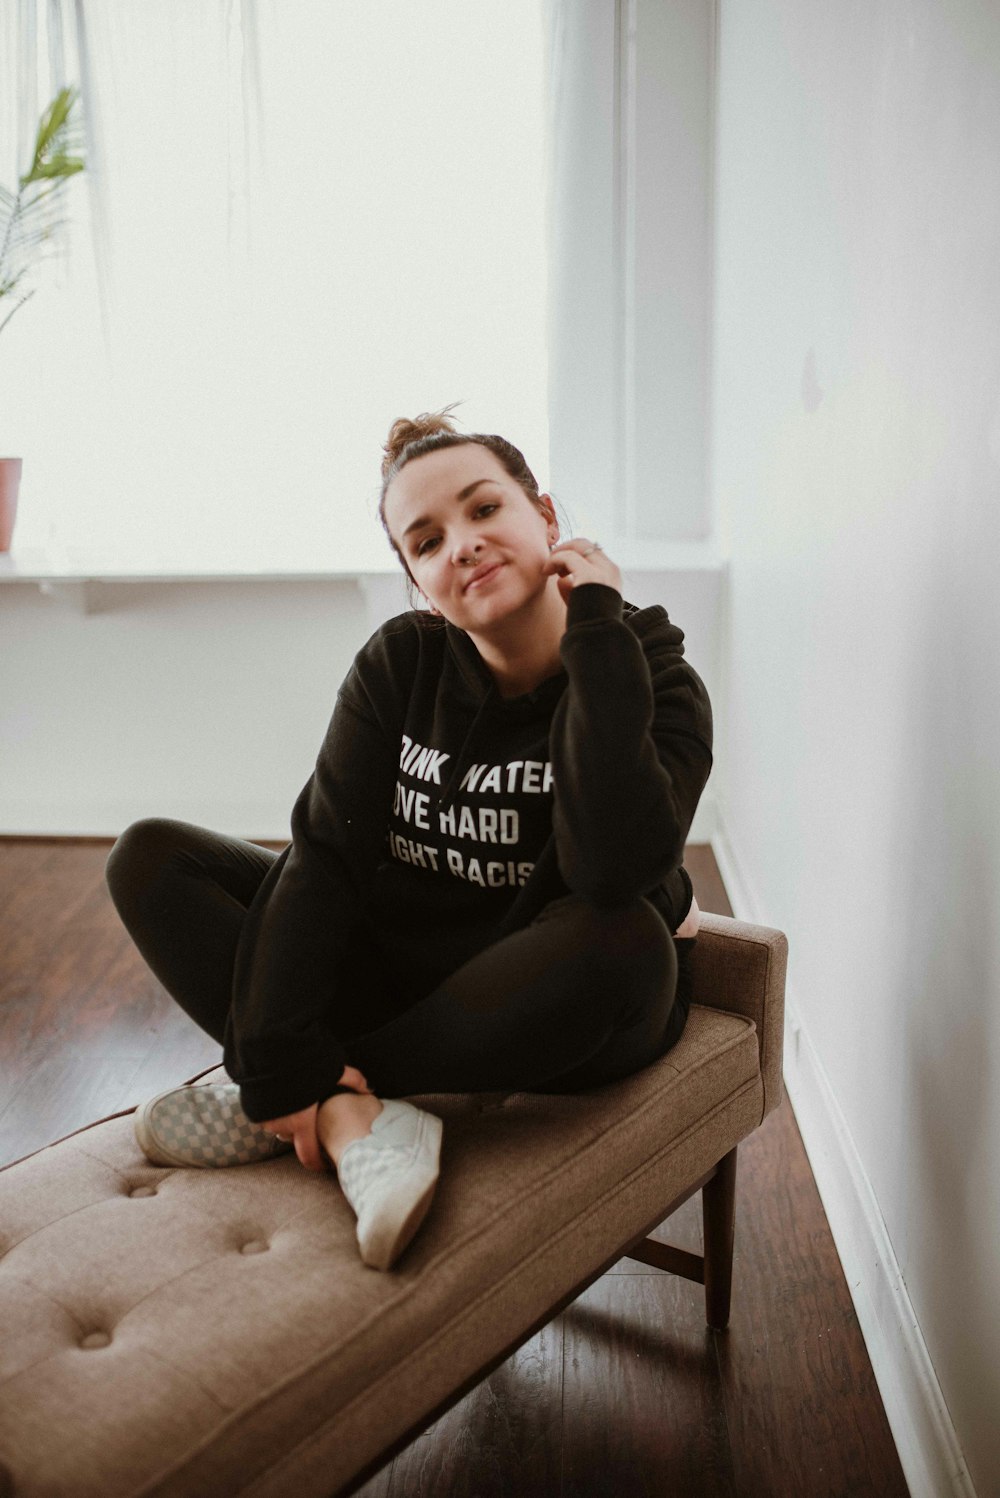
(300, 1128)
(581, 561)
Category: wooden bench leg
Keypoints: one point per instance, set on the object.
(718, 1207)
(715, 1269)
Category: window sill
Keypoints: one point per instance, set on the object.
(35, 565)
(75, 566)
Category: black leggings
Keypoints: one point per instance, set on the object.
(582, 996)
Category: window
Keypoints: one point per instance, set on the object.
(319, 216)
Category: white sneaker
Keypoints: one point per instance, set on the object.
(388, 1177)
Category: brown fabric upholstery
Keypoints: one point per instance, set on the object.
(177, 1332)
(741, 968)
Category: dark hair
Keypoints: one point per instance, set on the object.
(428, 433)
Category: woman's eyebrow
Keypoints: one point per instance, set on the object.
(460, 497)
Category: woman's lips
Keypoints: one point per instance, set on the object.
(481, 574)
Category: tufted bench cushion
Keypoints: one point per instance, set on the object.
(183, 1332)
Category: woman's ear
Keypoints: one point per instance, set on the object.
(548, 510)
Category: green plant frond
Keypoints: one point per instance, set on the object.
(59, 166)
(53, 120)
(56, 137)
(31, 216)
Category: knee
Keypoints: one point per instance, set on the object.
(627, 958)
(136, 856)
(634, 934)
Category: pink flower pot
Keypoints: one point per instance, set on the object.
(10, 483)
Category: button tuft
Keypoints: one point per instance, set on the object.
(143, 1191)
(96, 1339)
(255, 1246)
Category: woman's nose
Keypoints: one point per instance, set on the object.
(465, 550)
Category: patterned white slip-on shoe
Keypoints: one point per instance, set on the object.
(389, 1176)
(204, 1126)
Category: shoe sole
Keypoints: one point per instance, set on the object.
(394, 1233)
(150, 1145)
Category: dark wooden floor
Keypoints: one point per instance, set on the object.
(626, 1393)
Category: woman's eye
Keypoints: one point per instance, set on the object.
(482, 512)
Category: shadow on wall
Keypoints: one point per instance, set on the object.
(948, 819)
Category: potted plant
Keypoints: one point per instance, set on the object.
(29, 218)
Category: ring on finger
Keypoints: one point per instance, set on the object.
(595, 547)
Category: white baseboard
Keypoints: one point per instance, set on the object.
(254, 819)
(925, 1437)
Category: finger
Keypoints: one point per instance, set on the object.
(571, 568)
(575, 570)
(580, 544)
(563, 562)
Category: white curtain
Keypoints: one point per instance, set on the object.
(44, 47)
(302, 219)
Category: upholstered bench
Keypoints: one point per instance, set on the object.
(189, 1332)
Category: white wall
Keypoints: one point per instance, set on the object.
(208, 700)
(856, 463)
(204, 701)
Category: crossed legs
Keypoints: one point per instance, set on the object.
(582, 996)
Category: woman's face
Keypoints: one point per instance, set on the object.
(474, 542)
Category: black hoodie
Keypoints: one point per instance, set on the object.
(442, 816)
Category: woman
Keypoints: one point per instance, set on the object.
(485, 867)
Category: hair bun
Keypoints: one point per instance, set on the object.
(405, 430)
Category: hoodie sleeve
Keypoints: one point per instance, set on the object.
(278, 1044)
(631, 746)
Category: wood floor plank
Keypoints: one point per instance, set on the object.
(802, 1406)
(642, 1415)
(709, 890)
(503, 1438)
(175, 1052)
(85, 1029)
